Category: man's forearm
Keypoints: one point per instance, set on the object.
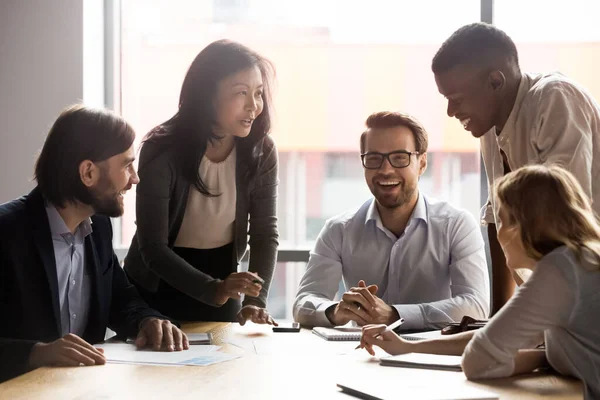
(503, 284)
(311, 310)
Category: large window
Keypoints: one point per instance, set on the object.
(337, 62)
(563, 38)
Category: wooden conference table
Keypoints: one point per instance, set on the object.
(272, 366)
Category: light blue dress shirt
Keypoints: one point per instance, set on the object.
(74, 282)
(433, 274)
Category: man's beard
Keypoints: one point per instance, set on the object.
(405, 195)
(105, 198)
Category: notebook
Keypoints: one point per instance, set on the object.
(384, 391)
(340, 333)
(346, 333)
(427, 361)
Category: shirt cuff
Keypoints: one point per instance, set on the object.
(412, 314)
(320, 317)
(485, 360)
(487, 215)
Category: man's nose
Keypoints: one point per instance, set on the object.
(451, 110)
(135, 179)
(386, 165)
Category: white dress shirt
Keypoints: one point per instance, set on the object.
(209, 221)
(433, 274)
(561, 299)
(553, 121)
(74, 282)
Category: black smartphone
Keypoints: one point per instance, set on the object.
(287, 327)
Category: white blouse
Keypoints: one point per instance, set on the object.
(208, 221)
(562, 300)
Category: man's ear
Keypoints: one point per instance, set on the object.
(422, 164)
(88, 173)
(497, 80)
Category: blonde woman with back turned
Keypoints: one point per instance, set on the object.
(548, 226)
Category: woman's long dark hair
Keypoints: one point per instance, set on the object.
(190, 129)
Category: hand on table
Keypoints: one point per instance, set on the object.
(161, 334)
(70, 350)
(255, 314)
(377, 335)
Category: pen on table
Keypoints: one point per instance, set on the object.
(388, 328)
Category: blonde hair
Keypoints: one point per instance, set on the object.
(552, 210)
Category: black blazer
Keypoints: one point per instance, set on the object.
(29, 305)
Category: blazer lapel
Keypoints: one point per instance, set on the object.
(42, 238)
(93, 267)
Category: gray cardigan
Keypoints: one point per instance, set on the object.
(161, 201)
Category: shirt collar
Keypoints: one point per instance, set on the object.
(58, 226)
(420, 212)
(524, 87)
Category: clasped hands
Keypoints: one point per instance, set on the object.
(361, 304)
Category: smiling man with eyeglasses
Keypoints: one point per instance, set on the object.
(401, 254)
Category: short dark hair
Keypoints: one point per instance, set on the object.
(475, 44)
(390, 119)
(80, 133)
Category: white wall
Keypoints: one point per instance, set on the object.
(41, 72)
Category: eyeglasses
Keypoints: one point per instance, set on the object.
(397, 159)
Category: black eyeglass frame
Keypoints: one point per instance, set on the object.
(387, 155)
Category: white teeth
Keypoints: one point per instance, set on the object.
(465, 122)
(389, 183)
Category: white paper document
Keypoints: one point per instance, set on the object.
(124, 353)
(193, 338)
(427, 361)
(391, 391)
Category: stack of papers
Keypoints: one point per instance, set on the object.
(428, 361)
(124, 353)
